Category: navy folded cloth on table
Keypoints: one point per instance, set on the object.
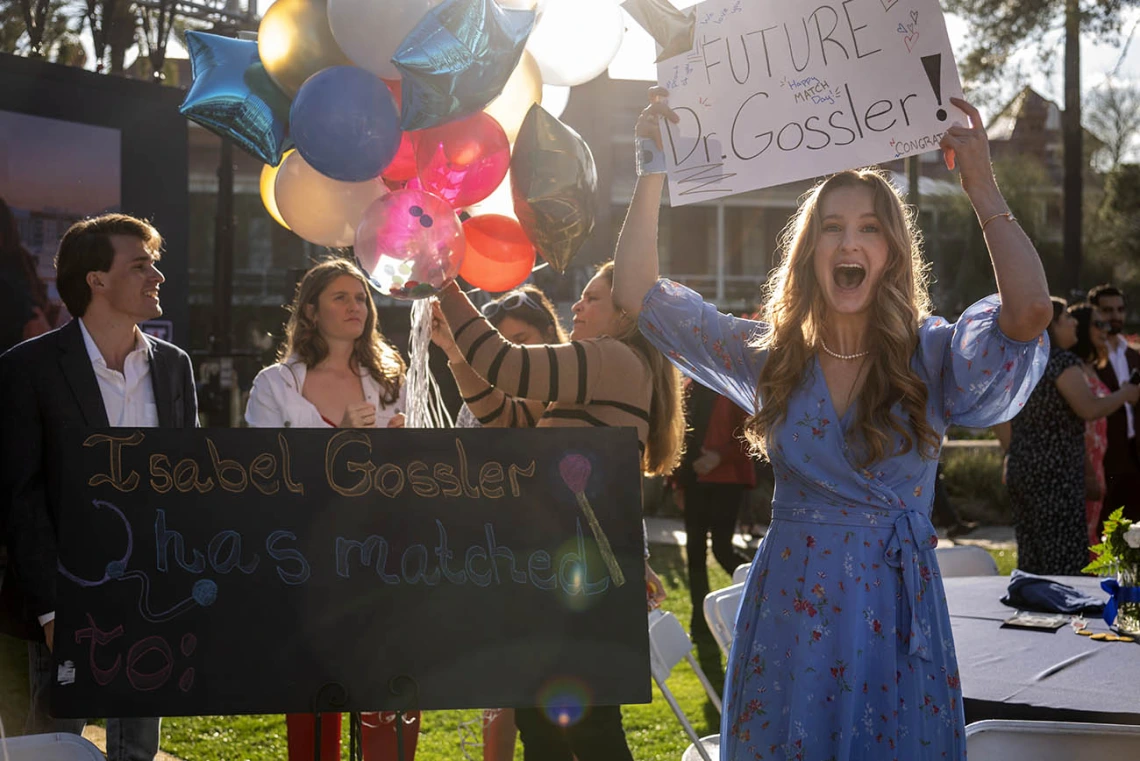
(1028, 591)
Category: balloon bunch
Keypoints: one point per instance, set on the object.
(381, 121)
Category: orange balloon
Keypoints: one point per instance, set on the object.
(499, 255)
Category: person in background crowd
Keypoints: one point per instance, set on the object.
(1045, 472)
(335, 370)
(96, 371)
(608, 375)
(1122, 459)
(524, 317)
(1092, 349)
(25, 311)
(712, 479)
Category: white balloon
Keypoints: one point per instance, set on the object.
(555, 98)
(575, 40)
(499, 202)
(370, 31)
(319, 209)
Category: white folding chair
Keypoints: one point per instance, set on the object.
(965, 560)
(668, 646)
(1002, 740)
(721, 607)
(741, 573)
(709, 747)
(55, 746)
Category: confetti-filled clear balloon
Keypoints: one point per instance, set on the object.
(234, 97)
(412, 244)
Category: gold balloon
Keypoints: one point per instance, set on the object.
(523, 90)
(268, 196)
(295, 42)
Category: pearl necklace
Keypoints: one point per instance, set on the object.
(843, 356)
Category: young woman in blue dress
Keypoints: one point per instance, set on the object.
(842, 647)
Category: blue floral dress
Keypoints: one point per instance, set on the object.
(843, 647)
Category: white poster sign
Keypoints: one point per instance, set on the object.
(780, 90)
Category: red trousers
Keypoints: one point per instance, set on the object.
(378, 736)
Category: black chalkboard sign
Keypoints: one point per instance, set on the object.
(257, 571)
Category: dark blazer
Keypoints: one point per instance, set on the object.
(1118, 458)
(47, 384)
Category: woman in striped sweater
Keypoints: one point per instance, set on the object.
(608, 375)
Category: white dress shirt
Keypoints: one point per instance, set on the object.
(275, 401)
(1119, 362)
(128, 396)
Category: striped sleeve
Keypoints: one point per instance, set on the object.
(564, 373)
(490, 406)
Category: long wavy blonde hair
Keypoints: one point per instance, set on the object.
(371, 352)
(795, 311)
(666, 440)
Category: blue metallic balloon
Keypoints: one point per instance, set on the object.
(233, 96)
(458, 59)
(345, 123)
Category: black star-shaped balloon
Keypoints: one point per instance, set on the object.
(457, 60)
(672, 29)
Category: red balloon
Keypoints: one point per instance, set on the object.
(403, 166)
(463, 161)
(499, 255)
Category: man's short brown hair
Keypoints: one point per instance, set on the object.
(86, 247)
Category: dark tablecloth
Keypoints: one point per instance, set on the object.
(1012, 673)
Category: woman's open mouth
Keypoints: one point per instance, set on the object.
(848, 276)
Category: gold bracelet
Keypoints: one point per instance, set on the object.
(995, 216)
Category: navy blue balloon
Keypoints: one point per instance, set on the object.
(458, 59)
(233, 96)
(345, 124)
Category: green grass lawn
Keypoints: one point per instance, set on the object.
(652, 729)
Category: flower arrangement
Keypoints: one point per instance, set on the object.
(1118, 555)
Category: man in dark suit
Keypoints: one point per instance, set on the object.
(1122, 459)
(98, 370)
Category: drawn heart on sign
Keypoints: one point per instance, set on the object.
(888, 4)
(910, 41)
(902, 29)
(914, 16)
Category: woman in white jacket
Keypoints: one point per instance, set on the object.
(336, 370)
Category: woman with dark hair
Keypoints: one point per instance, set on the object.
(335, 370)
(525, 317)
(1092, 349)
(25, 311)
(607, 375)
(843, 648)
(1045, 473)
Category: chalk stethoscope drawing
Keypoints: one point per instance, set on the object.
(203, 593)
